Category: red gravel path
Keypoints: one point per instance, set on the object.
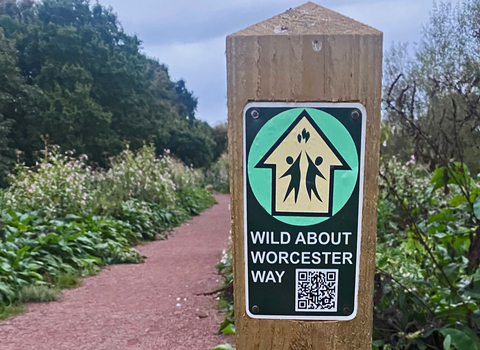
(137, 306)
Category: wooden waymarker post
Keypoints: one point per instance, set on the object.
(304, 94)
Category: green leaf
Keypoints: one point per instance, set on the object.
(476, 208)
(459, 339)
(376, 344)
(72, 217)
(420, 344)
(223, 347)
(447, 342)
(452, 270)
(230, 329)
(457, 200)
(470, 333)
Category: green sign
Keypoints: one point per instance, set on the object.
(303, 203)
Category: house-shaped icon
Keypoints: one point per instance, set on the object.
(303, 163)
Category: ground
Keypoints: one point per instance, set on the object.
(154, 305)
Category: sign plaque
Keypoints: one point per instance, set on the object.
(303, 187)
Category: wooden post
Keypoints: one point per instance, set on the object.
(307, 54)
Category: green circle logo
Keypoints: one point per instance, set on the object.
(303, 166)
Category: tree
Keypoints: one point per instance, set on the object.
(432, 99)
(220, 136)
(185, 101)
(15, 97)
(95, 90)
(193, 144)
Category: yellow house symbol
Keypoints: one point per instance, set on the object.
(303, 163)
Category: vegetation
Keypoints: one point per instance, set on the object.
(223, 347)
(427, 283)
(72, 77)
(71, 74)
(218, 174)
(426, 286)
(428, 252)
(62, 219)
(225, 269)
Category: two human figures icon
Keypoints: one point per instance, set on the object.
(295, 172)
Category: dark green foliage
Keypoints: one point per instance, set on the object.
(89, 88)
(15, 97)
(220, 136)
(66, 280)
(195, 200)
(150, 218)
(185, 101)
(193, 144)
(427, 281)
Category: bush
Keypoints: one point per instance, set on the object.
(218, 174)
(427, 285)
(63, 219)
(195, 200)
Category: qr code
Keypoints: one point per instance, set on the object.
(316, 290)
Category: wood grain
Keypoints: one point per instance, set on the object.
(263, 65)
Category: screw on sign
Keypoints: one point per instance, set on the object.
(304, 178)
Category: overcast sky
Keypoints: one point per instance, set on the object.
(189, 35)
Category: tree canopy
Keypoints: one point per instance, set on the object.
(432, 97)
(75, 78)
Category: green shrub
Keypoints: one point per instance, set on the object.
(196, 199)
(427, 285)
(218, 174)
(62, 219)
(57, 186)
(66, 280)
(151, 219)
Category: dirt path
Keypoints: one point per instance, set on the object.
(145, 306)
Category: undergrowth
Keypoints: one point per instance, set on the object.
(64, 219)
(225, 298)
(37, 294)
(7, 311)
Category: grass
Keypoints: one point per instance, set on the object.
(10, 310)
(37, 294)
(66, 280)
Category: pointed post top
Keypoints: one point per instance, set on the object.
(308, 18)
